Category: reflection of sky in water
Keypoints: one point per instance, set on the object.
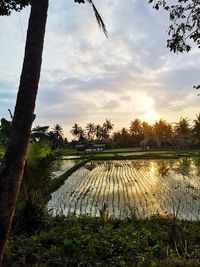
(64, 166)
(145, 186)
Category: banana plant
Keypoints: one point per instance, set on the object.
(104, 213)
(40, 163)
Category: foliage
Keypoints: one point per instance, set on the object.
(7, 6)
(92, 132)
(85, 241)
(39, 133)
(122, 138)
(196, 130)
(56, 137)
(38, 170)
(77, 132)
(161, 134)
(29, 219)
(185, 23)
(5, 128)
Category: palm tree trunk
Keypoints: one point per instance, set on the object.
(13, 167)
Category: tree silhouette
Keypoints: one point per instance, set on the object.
(39, 133)
(99, 132)
(136, 131)
(185, 23)
(183, 132)
(90, 127)
(13, 164)
(196, 129)
(147, 132)
(78, 132)
(162, 133)
(107, 127)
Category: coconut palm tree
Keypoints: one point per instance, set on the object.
(196, 129)
(107, 127)
(13, 167)
(77, 131)
(39, 133)
(147, 133)
(183, 132)
(58, 131)
(99, 132)
(136, 131)
(56, 136)
(162, 132)
(122, 138)
(90, 127)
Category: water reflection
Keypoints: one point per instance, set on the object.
(62, 167)
(145, 186)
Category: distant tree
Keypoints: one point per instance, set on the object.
(183, 133)
(75, 130)
(78, 133)
(90, 128)
(39, 133)
(98, 132)
(162, 133)
(107, 128)
(58, 130)
(56, 136)
(122, 138)
(82, 138)
(136, 131)
(196, 129)
(147, 133)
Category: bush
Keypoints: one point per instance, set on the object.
(86, 241)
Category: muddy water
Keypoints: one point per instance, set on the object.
(142, 187)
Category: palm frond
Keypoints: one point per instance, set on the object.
(99, 19)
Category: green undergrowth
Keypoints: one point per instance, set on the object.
(85, 241)
(2, 151)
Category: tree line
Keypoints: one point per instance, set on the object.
(92, 132)
(161, 134)
(54, 136)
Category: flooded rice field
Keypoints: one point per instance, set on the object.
(65, 166)
(142, 187)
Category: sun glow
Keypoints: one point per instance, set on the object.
(150, 115)
(152, 167)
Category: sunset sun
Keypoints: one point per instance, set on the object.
(150, 115)
(148, 110)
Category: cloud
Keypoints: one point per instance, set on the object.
(87, 77)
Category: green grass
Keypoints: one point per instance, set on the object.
(134, 153)
(138, 155)
(122, 150)
(85, 241)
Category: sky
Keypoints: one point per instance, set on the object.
(87, 77)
